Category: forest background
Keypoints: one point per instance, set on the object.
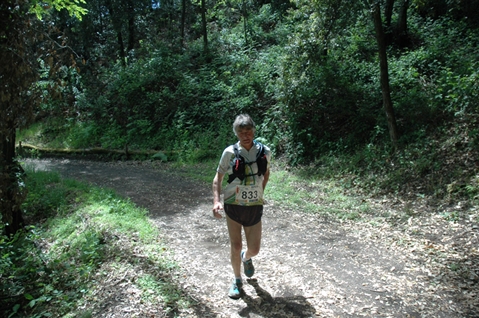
(170, 76)
(328, 85)
(388, 108)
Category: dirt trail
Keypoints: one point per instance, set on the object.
(308, 266)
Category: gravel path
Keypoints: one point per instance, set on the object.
(309, 266)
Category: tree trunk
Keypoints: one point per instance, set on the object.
(131, 26)
(401, 29)
(121, 49)
(12, 191)
(117, 26)
(245, 23)
(383, 63)
(388, 11)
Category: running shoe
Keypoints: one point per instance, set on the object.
(235, 289)
(248, 266)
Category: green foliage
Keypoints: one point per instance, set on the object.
(439, 168)
(307, 71)
(73, 7)
(457, 10)
(45, 201)
(459, 92)
(60, 88)
(19, 262)
(448, 67)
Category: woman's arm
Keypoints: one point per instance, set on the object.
(217, 205)
(265, 179)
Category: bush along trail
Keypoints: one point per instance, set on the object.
(396, 260)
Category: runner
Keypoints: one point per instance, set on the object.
(247, 166)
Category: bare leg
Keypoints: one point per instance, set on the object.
(236, 244)
(253, 239)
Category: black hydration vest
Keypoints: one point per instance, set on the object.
(239, 164)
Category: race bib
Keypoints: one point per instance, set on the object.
(249, 194)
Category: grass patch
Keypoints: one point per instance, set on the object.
(310, 195)
(84, 244)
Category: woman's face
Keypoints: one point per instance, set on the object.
(245, 137)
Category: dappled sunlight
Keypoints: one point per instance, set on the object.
(310, 263)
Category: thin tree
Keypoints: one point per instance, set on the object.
(117, 26)
(388, 12)
(401, 28)
(245, 22)
(131, 26)
(383, 64)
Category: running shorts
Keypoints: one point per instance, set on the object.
(244, 215)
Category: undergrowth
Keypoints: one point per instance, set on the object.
(78, 237)
(438, 164)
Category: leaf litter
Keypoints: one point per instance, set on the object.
(421, 264)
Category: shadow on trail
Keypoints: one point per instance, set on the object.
(268, 306)
(154, 187)
(360, 275)
(115, 293)
(159, 192)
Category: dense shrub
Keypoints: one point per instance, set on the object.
(309, 75)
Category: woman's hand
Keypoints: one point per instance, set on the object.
(216, 210)
(217, 206)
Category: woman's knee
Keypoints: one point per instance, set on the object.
(236, 246)
(253, 250)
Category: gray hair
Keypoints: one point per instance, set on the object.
(243, 121)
